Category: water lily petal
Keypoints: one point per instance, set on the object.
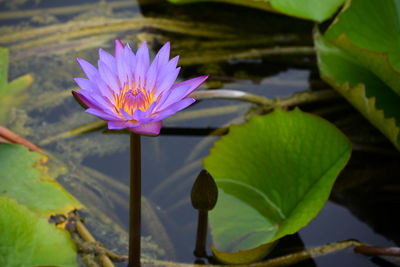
(152, 76)
(168, 81)
(105, 89)
(144, 116)
(142, 64)
(129, 57)
(118, 47)
(163, 55)
(160, 60)
(168, 67)
(84, 101)
(192, 83)
(109, 60)
(140, 116)
(124, 72)
(99, 88)
(172, 109)
(101, 114)
(151, 128)
(108, 76)
(161, 99)
(87, 85)
(97, 99)
(116, 125)
(181, 90)
(167, 74)
(125, 114)
(89, 70)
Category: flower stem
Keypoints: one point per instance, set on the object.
(135, 202)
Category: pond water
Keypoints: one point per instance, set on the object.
(362, 203)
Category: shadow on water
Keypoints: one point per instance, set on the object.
(365, 196)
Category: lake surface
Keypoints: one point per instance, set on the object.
(363, 202)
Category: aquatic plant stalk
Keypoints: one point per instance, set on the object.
(285, 260)
(204, 196)
(135, 201)
(202, 225)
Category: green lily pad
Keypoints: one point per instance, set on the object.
(25, 176)
(315, 10)
(274, 175)
(29, 240)
(11, 93)
(370, 33)
(361, 87)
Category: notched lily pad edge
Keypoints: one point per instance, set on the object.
(343, 42)
(391, 131)
(254, 254)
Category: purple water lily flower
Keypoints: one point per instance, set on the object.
(128, 92)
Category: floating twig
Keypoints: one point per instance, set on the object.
(307, 97)
(88, 237)
(378, 251)
(10, 136)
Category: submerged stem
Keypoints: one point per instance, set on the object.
(296, 99)
(285, 260)
(101, 252)
(231, 94)
(134, 201)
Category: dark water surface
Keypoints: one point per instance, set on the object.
(363, 202)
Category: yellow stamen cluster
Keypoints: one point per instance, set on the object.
(131, 98)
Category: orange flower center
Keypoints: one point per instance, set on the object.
(132, 97)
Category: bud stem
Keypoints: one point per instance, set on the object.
(200, 250)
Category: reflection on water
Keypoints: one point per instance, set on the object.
(46, 44)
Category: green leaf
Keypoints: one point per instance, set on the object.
(28, 240)
(11, 94)
(361, 87)
(315, 10)
(370, 33)
(274, 174)
(25, 176)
